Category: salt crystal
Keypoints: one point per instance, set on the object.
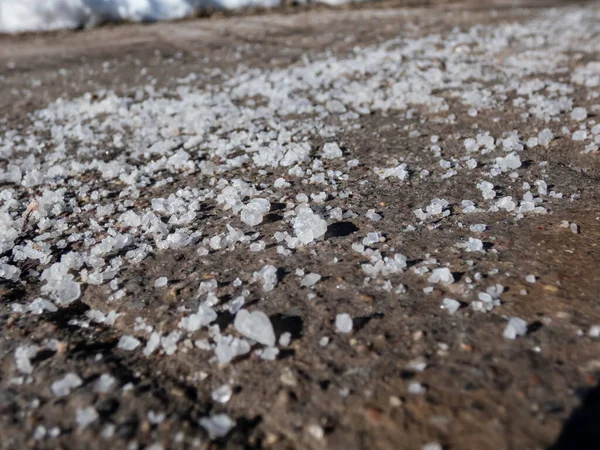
(285, 339)
(450, 305)
(62, 387)
(152, 344)
(310, 280)
(23, 356)
(343, 323)
(268, 276)
(478, 228)
(474, 245)
(308, 226)
(579, 135)
(331, 151)
(105, 383)
(269, 353)
(160, 282)
(441, 275)
(222, 394)
(128, 342)
(372, 215)
(516, 327)
(432, 446)
(416, 388)
(530, 278)
(545, 137)
(252, 214)
(579, 114)
(218, 425)
(85, 416)
(256, 326)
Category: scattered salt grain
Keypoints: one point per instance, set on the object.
(343, 323)
(579, 114)
(85, 416)
(441, 275)
(530, 278)
(450, 305)
(310, 279)
(222, 394)
(160, 282)
(63, 387)
(268, 275)
(255, 325)
(516, 327)
(128, 342)
(285, 339)
(218, 425)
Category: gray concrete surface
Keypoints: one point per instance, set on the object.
(394, 88)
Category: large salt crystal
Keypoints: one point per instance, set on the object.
(23, 356)
(506, 203)
(222, 394)
(229, 347)
(256, 326)
(487, 189)
(545, 137)
(450, 305)
(203, 317)
(579, 114)
(217, 426)
(308, 226)
(130, 219)
(331, 151)
(310, 279)
(152, 344)
(509, 162)
(474, 245)
(252, 214)
(63, 387)
(268, 276)
(343, 323)
(85, 416)
(128, 342)
(516, 327)
(9, 272)
(441, 275)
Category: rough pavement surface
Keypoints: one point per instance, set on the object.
(374, 228)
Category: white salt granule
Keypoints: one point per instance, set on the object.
(441, 275)
(530, 278)
(160, 282)
(285, 339)
(450, 305)
(545, 137)
(128, 342)
(308, 226)
(85, 416)
(516, 327)
(255, 325)
(343, 323)
(331, 151)
(218, 425)
(579, 114)
(252, 214)
(63, 387)
(310, 279)
(105, 383)
(222, 394)
(268, 276)
(478, 228)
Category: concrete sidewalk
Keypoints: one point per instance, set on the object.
(431, 172)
